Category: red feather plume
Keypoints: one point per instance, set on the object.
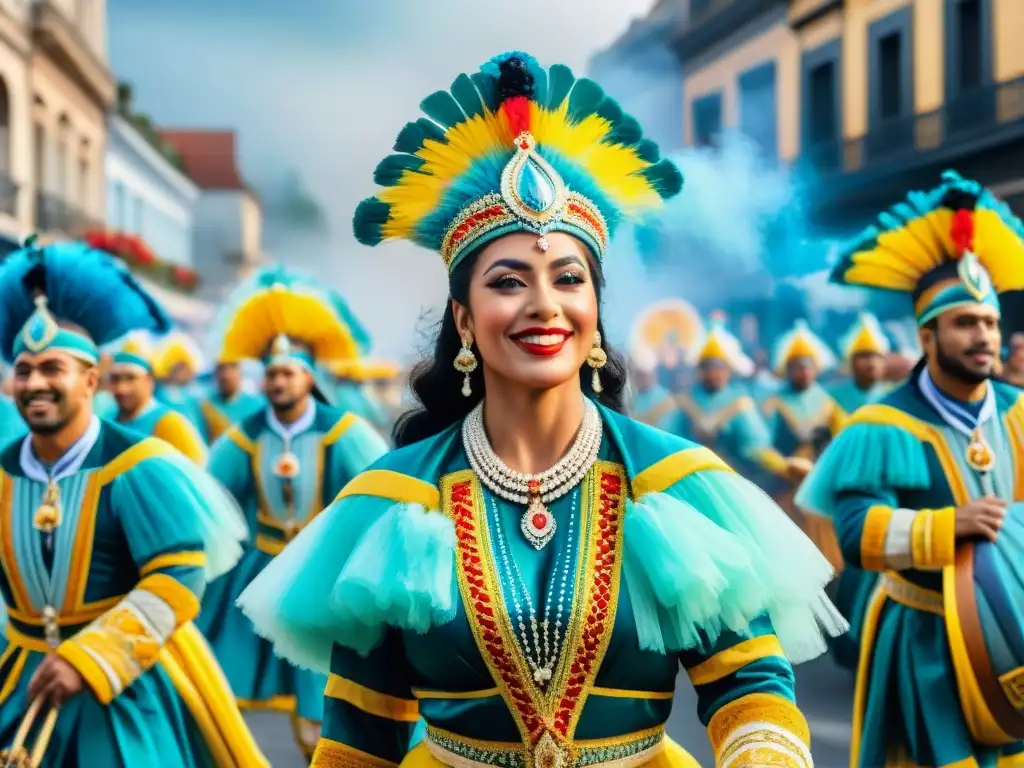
(517, 111)
(962, 231)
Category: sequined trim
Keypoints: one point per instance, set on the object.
(760, 745)
(491, 212)
(334, 754)
(633, 749)
(556, 711)
(911, 595)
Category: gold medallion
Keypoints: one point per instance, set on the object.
(287, 466)
(980, 456)
(48, 515)
(548, 753)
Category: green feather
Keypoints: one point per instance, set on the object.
(391, 169)
(540, 84)
(647, 151)
(487, 87)
(665, 177)
(584, 100)
(431, 130)
(467, 97)
(560, 80)
(369, 220)
(610, 110)
(442, 108)
(410, 139)
(627, 131)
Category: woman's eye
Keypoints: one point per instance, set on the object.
(506, 282)
(569, 278)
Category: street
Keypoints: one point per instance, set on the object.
(825, 693)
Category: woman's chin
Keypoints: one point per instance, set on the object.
(543, 376)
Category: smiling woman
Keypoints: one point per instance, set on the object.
(523, 577)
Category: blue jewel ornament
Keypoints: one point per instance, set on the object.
(535, 187)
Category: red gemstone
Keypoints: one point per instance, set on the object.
(524, 145)
(539, 521)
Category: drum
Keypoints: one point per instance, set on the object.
(984, 606)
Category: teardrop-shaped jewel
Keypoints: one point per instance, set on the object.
(535, 187)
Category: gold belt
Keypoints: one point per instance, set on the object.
(618, 752)
(911, 595)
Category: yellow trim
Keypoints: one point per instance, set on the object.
(757, 708)
(280, 703)
(82, 549)
(341, 426)
(217, 422)
(1014, 421)
(268, 545)
(393, 486)
(771, 460)
(91, 613)
(711, 423)
(130, 457)
(872, 538)
(979, 718)
(931, 292)
(670, 470)
(622, 693)
(731, 660)
(88, 668)
(423, 693)
(867, 648)
(907, 593)
(7, 558)
(21, 640)
(177, 430)
(334, 754)
(14, 675)
(174, 559)
(933, 542)
(371, 702)
(180, 598)
(238, 437)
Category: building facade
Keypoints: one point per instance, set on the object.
(864, 97)
(228, 225)
(72, 91)
(147, 196)
(16, 207)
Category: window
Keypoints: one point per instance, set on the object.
(40, 149)
(84, 181)
(968, 42)
(891, 70)
(758, 113)
(707, 119)
(821, 104)
(119, 214)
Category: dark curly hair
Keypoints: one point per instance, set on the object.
(437, 385)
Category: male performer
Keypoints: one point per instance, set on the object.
(132, 384)
(229, 402)
(932, 466)
(176, 365)
(107, 540)
(283, 464)
(651, 403)
(864, 350)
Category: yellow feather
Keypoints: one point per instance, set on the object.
(1000, 251)
(272, 312)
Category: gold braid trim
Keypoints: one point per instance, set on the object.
(872, 538)
(760, 709)
(334, 754)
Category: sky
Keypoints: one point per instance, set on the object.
(323, 87)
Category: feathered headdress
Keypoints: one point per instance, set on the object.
(177, 348)
(136, 352)
(801, 342)
(720, 344)
(279, 314)
(865, 335)
(670, 323)
(956, 245)
(71, 297)
(364, 369)
(515, 148)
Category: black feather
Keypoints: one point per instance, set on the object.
(960, 199)
(515, 79)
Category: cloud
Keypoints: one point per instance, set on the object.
(323, 86)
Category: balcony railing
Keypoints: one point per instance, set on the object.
(54, 214)
(981, 114)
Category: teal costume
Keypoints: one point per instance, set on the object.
(849, 396)
(12, 426)
(187, 401)
(350, 396)
(220, 412)
(106, 553)
(892, 482)
(658, 407)
(412, 569)
(802, 421)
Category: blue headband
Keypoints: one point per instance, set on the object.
(42, 333)
(284, 352)
(133, 360)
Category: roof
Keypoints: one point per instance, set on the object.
(209, 157)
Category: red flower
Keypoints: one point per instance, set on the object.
(183, 276)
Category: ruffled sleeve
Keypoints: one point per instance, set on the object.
(707, 552)
(382, 555)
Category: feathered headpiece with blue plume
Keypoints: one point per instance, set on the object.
(282, 314)
(865, 336)
(801, 342)
(515, 148)
(174, 349)
(71, 297)
(953, 246)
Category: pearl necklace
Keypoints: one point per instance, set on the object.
(547, 639)
(535, 491)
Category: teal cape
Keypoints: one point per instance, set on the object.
(12, 426)
(409, 589)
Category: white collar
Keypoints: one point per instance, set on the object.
(68, 464)
(288, 431)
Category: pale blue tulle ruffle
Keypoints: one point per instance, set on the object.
(865, 458)
(714, 552)
(363, 565)
(174, 484)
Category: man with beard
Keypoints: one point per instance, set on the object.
(283, 464)
(916, 484)
(229, 403)
(107, 540)
(864, 349)
(132, 384)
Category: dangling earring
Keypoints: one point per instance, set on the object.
(465, 363)
(597, 359)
